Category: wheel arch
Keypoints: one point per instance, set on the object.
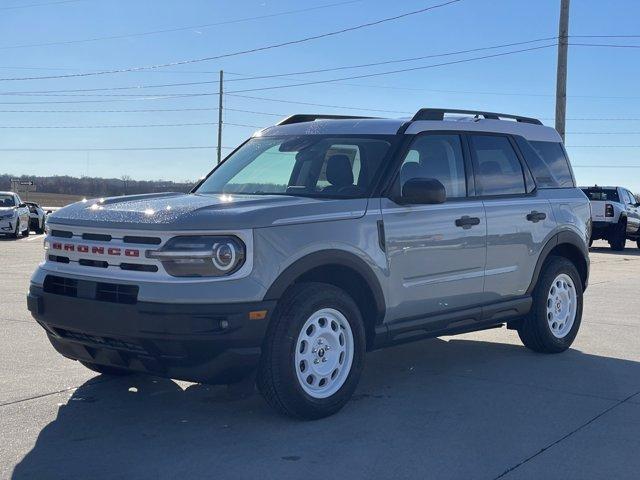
(566, 244)
(342, 269)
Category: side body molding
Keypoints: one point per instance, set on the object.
(326, 258)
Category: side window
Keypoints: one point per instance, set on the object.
(439, 157)
(497, 168)
(548, 163)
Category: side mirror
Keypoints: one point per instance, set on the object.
(49, 212)
(22, 205)
(423, 191)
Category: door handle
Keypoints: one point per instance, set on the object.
(467, 222)
(535, 217)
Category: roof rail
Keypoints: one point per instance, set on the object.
(310, 117)
(438, 114)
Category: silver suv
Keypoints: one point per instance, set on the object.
(316, 240)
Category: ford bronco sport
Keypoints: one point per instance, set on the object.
(316, 240)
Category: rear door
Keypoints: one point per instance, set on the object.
(519, 221)
(436, 253)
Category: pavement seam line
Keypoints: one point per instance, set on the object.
(561, 439)
(35, 397)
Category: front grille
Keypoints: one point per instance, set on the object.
(142, 240)
(93, 263)
(98, 237)
(113, 292)
(100, 291)
(138, 267)
(58, 259)
(61, 233)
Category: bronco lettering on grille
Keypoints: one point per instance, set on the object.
(111, 251)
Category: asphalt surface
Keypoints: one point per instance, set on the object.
(476, 406)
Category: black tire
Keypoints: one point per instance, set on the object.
(277, 379)
(106, 370)
(638, 243)
(26, 232)
(534, 331)
(590, 242)
(618, 236)
(40, 228)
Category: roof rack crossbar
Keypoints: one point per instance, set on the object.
(438, 114)
(304, 117)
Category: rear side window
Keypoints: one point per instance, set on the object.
(548, 163)
(497, 168)
(602, 194)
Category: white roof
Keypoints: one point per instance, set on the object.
(384, 126)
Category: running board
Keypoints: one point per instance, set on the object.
(451, 323)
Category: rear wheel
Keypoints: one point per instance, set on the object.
(618, 236)
(106, 369)
(40, 227)
(314, 352)
(556, 313)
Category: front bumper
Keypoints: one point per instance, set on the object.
(212, 343)
(7, 225)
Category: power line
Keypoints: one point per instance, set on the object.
(176, 29)
(605, 166)
(242, 52)
(603, 133)
(124, 126)
(277, 100)
(111, 149)
(260, 77)
(16, 7)
(391, 72)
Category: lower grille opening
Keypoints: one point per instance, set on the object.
(100, 340)
(61, 286)
(101, 291)
(61, 233)
(112, 292)
(142, 240)
(97, 237)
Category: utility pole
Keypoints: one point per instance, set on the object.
(561, 81)
(220, 119)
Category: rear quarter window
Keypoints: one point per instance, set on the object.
(548, 163)
(602, 194)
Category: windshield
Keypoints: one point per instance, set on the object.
(305, 165)
(602, 194)
(7, 201)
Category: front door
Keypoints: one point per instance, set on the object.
(436, 253)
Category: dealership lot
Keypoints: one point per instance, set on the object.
(475, 406)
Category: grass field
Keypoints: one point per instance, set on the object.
(50, 199)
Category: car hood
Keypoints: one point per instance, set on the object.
(178, 211)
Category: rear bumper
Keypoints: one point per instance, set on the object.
(212, 343)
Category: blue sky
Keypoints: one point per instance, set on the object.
(602, 81)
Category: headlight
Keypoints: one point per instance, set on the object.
(201, 256)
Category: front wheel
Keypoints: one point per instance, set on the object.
(40, 227)
(16, 233)
(313, 353)
(556, 313)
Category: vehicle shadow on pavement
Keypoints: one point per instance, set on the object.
(628, 251)
(455, 409)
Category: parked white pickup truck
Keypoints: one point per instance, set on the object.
(615, 213)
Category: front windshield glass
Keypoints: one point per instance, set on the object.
(305, 165)
(7, 201)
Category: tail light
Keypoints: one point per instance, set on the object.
(608, 210)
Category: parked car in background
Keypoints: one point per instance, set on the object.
(615, 215)
(37, 217)
(316, 240)
(14, 215)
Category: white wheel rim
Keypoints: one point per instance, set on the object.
(562, 304)
(324, 353)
